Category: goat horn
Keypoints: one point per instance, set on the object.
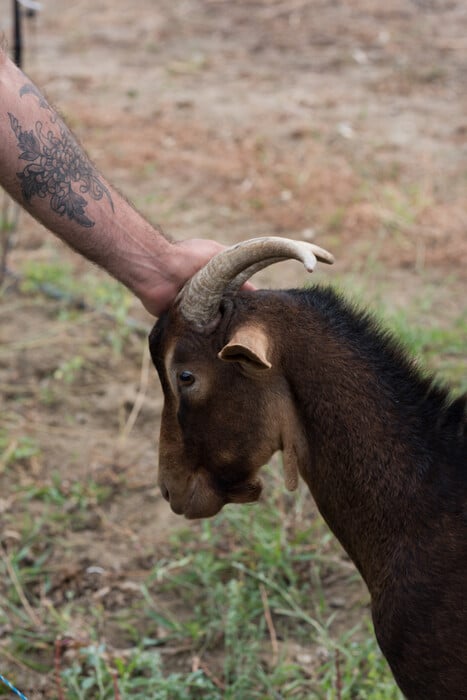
(201, 296)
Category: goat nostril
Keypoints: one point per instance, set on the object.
(165, 492)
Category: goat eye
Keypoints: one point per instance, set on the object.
(186, 378)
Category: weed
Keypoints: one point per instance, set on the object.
(92, 291)
(39, 276)
(16, 449)
(99, 676)
(74, 495)
(68, 370)
(441, 348)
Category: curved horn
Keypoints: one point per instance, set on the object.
(201, 296)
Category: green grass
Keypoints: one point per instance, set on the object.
(15, 449)
(443, 349)
(138, 677)
(225, 588)
(55, 279)
(247, 556)
(208, 595)
(437, 347)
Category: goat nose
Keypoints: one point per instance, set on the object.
(165, 492)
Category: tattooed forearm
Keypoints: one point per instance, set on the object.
(56, 168)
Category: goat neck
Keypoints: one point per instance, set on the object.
(361, 455)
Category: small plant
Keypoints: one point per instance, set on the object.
(92, 292)
(39, 276)
(68, 370)
(98, 676)
(16, 449)
(75, 495)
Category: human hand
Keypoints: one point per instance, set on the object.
(180, 261)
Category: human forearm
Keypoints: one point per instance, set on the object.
(44, 168)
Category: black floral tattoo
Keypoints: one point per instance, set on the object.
(56, 167)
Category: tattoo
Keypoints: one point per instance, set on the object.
(32, 90)
(55, 167)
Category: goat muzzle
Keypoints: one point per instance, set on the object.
(196, 500)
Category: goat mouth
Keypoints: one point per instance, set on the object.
(201, 502)
(195, 510)
(248, 492)
(204, 501)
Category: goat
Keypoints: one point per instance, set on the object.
(381, 447)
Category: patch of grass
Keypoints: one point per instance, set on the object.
(362, 672)
(400, 208)
(16, 449)
(243, 594)
(440, 349)
(72, 495)
(139, 676)
(57, 280)
(246, 566)
(102, 294)
(69, 369)
(437, 347)
(41, 276)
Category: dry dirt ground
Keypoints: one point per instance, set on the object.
(340, 121)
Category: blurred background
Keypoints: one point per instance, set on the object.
(342, 123)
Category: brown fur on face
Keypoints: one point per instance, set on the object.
(219, 430)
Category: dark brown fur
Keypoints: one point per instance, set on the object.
(382, 449)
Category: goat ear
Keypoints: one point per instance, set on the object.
(249, 346)
(294, 447)
(290, 466)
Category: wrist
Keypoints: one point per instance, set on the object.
(176, 262)
(148, 268)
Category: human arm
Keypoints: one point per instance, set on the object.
(44, 168)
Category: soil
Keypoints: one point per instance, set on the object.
(340, 122)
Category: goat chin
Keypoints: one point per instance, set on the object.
(196, 508)
(202, 500)
(205, 503)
